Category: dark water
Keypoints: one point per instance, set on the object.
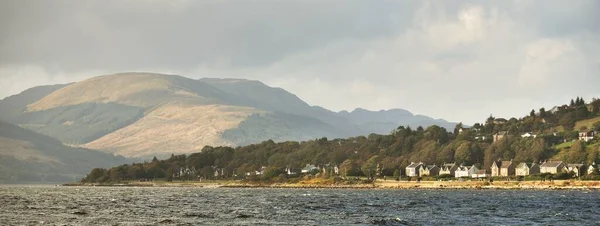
(201, 206)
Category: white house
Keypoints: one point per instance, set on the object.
(465, 171)
(414, 169)
(587, 136)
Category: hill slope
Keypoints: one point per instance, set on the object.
(147, 114)
(26, 156)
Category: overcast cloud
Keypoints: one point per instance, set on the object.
(457, 60)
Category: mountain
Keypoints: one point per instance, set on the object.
(26, 156)
(384, 121)
(149, 114)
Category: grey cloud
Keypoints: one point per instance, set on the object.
(439, 58)
(131, 34)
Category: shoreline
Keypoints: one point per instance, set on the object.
(378, 185)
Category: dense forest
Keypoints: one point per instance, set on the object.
(389, 154)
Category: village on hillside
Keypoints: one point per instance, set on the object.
(561, 143)
(499, 168)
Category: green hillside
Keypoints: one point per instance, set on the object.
(389, 153)
(26, 156)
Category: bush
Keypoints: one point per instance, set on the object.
(563, 176)
(445, 177)
(590, 177)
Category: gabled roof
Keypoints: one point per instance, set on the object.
(464, 168)
(524, 164)
(414, 165)
(430, 166)
(575, 165)
(551, 164)
(505, 164)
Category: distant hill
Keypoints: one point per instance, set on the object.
(148, 114)
(26, 156)
(384, 121)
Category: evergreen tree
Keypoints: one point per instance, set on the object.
(542, 112)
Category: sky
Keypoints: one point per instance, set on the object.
(456, 60)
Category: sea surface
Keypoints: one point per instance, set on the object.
(33, 205)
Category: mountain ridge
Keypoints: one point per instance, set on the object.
(123, 113)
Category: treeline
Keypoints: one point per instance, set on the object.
(358, 156)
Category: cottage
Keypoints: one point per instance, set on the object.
(448, 169)
(526, 169)
(309, 168)
(507, 168)
(552, 167)
(429, 170)
(480, 174)
(495, 168)
(414, 169)
(587, 136)
(577, 169)
(465, 171)
(499, 135)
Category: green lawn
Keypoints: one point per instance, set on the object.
(564, 145)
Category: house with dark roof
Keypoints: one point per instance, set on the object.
(587, 136)
(448, 169)
(414, 169)
(552, 167)
(465, 171)
(429, 170)
(507, 168)
(526, 169)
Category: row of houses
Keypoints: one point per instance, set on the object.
(508, 168)
(498, 169)
(584, 136)
(309, 168)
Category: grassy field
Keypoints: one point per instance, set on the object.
(588, 123)
(564, 145)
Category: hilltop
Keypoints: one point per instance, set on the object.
(149, 114)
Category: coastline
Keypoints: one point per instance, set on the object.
(379, 184)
